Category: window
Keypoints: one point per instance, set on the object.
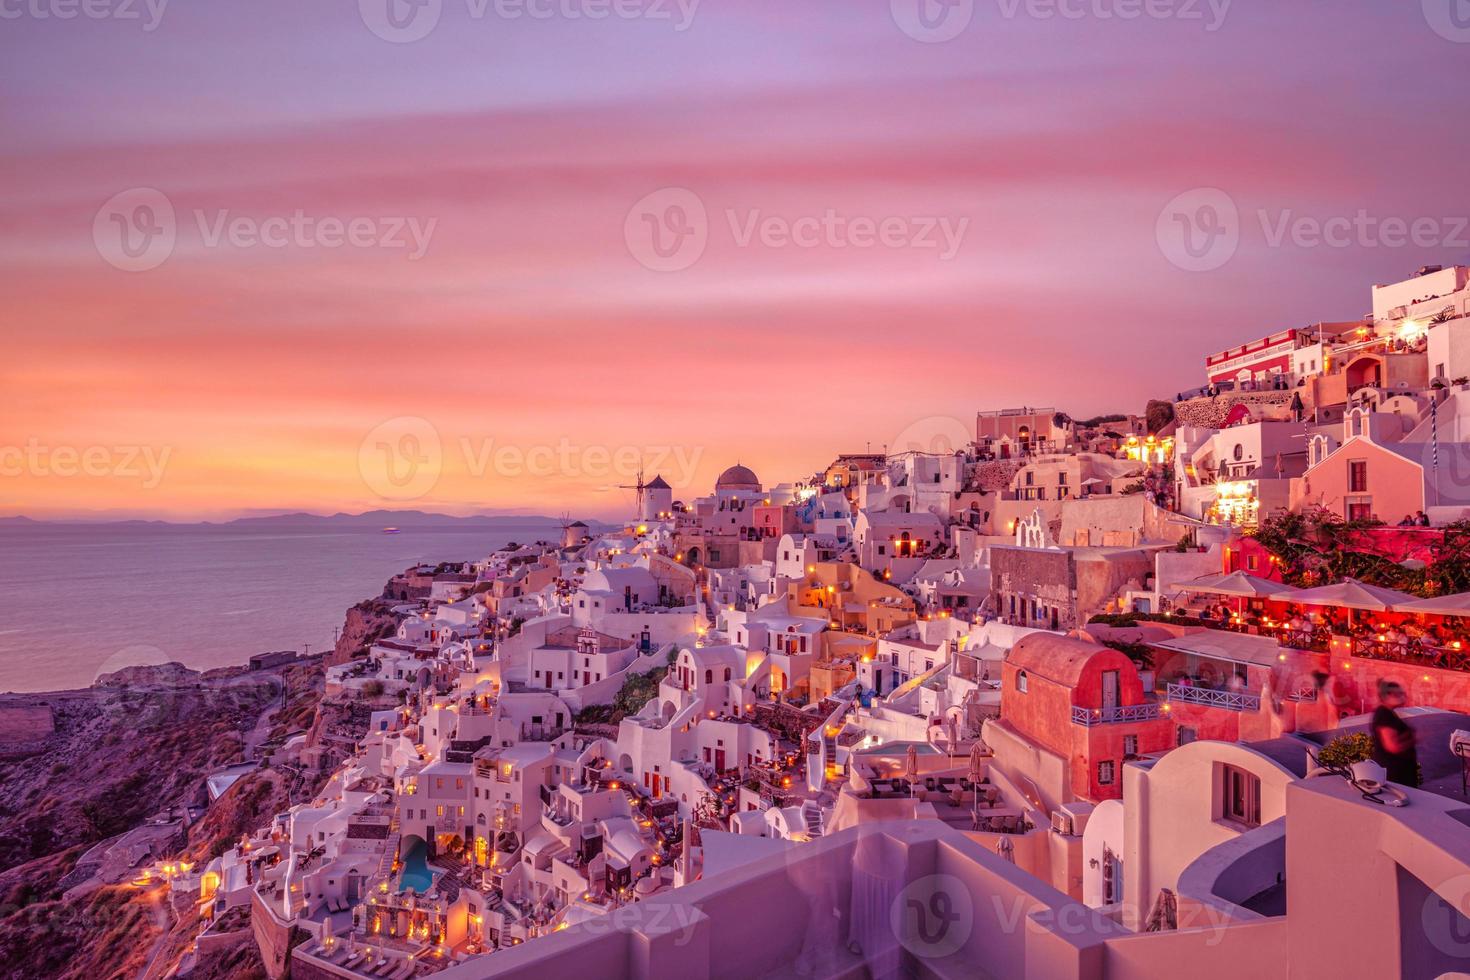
(1021, 681)
(1130, 746)
(1241, 797)
(1358, 476)
(1239, 452)
(1105, 773)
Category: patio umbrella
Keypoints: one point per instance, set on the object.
(1349, 594)
(911, 766)
(977, 762)
(1444, 605)
(1239, 584)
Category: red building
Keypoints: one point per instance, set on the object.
(1257, 361)
(1084, 703)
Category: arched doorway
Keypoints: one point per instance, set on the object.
(1364, 372)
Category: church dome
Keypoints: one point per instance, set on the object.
(738, 477)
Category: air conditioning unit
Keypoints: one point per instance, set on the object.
(1075, 817)
(1061, 823)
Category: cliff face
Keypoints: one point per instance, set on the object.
(137, 744)
(122, 751)
(84, 768)
(366, 623)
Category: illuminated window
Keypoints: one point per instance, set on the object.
(1358, 476)
(1240, 796)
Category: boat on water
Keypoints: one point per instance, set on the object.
(390, 530)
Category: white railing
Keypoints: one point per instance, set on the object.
(1229, 700)
(1088, 717)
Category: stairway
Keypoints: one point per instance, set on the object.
(811, 815)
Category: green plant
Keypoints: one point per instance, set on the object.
(372, 688)
(1345, 750)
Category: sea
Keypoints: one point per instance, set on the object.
(80, 600)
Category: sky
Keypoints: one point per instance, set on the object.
(487, 255)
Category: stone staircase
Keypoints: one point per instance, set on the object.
(811, 815)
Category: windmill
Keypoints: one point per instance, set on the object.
(639, 489)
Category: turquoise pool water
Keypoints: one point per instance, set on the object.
(416, 873)
(898, 748)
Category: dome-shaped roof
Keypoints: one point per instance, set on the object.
(738, 477)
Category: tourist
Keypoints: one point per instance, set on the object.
(1393, 738)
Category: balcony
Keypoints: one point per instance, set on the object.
(1413, 651)
(1214, 698)
(1088, 717)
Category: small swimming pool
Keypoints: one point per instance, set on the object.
(897, 748)
(416, 873)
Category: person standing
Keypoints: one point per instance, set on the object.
(1393, 738)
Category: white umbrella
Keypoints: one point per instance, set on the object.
(1444, 605)
(1349, 594)
(1239, 584)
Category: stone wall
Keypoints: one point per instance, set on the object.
(1048, 576)
(1212, 412)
